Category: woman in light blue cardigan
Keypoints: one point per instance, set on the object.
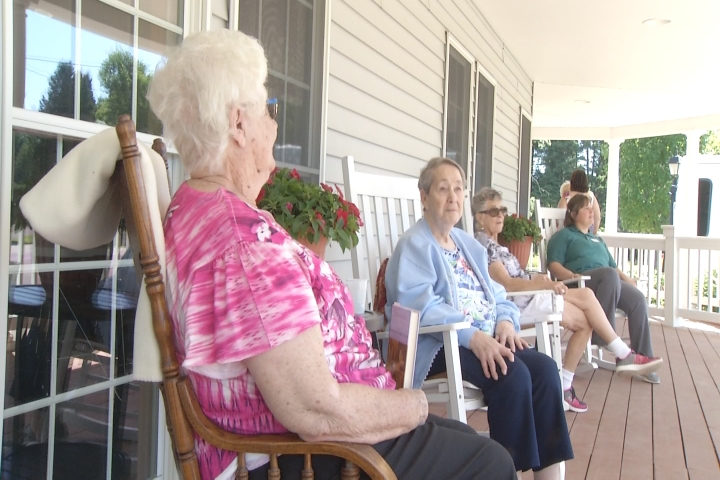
(442, 272)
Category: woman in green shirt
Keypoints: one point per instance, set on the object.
(575, 250)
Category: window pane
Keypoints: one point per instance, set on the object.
(276, 88)
(525, 164)
(458, 117)
(273, 34)
(107, 60)
(33, 156)
(154, 44)
(25, 445)
(249, 17)
(300, 42)
(44, 74)
(29, 339)
(168, 10)
(295, 149)
(84, 333)
(483, 140)
(81, 427)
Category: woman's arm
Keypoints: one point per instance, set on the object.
(562, 203)
(560, 272)
(499, 274)
(300, 391)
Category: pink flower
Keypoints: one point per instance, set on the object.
(326, 187)
(289, 206)
(294, 174)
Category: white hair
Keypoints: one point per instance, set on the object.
(198, 86)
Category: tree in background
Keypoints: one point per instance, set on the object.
(710, 142)
(35, 155)
(645, 182)
(60, 97)
(554, 162)
(116, 79)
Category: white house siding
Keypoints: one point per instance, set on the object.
(386, 88)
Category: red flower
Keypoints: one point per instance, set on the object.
(320, 218)
(353, 209)
(260, 196)
(294, 174)
(360, 222)
(514, 215)
(289, 206)
(270, 181)
(342, 197)
(326, 187)
(342, 214)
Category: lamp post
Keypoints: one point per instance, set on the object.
(674, 166)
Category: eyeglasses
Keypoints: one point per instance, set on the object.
(273, 106)
(494, 212)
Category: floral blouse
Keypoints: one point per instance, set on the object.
(472, 293)
(498, 253)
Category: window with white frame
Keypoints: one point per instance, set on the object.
(92, 60)
(291, 32)
(484, 131)
(68, 359)
(525, 163)
(458, 103)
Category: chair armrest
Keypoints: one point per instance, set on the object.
(364, 456)
(434, 329)
(579, 280)
(445, 328)
(529, 292)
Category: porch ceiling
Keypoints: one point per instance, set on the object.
(639, 80)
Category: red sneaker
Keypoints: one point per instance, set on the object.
(636, 364)
(573, 402)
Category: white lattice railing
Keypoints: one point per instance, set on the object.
(678, 275)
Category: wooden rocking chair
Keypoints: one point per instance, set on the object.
(183, 412)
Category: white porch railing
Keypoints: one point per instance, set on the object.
(678, 275)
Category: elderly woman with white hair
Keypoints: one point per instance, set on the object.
(263, 327)
(442, 272)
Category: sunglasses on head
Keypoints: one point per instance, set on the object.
(494, 212)
(273, 106)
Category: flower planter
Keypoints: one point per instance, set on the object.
(317, 248)
(519, 248)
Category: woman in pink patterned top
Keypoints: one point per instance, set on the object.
(263, 327)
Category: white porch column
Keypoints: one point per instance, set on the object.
(613, 186)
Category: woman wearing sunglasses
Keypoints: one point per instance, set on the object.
(582, 312)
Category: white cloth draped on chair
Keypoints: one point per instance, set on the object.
(76, 205)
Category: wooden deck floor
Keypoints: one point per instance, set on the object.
(634, 430)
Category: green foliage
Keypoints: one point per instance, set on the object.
(60, 97)
(710, 142)
(517, 227)
(645, 182)
(309, 211)
(115, 75)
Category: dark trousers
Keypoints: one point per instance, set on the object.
(440, 449)
(525, 410)
(613, 293)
